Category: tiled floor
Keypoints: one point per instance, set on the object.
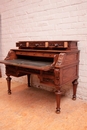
(34, 109)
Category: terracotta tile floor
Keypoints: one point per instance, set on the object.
(34, 109)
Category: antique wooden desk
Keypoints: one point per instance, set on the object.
(54, 62)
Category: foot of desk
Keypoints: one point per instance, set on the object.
(58, 97)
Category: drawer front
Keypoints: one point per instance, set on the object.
(13, 70)
(43, 44)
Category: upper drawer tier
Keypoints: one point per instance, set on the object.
(42, 44)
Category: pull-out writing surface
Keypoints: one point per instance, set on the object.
(40, 65)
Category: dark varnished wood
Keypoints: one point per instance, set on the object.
(58, 98)
(75, 83)
(9, 84)
(54, 62)
(28, 78)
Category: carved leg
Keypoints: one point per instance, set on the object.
(9, 84)
(75, 83)
(28, 78)
(58, 98)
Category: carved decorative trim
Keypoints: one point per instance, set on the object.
(57, 74)
(61, 59)
(11, 55)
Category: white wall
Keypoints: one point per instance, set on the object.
(46, 20)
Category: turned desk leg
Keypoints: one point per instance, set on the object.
(28, 78)
(9, 84)
(75, 83)
(58, 98)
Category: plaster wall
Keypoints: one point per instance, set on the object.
(45, 20)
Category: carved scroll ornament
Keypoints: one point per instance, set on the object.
(11, 55)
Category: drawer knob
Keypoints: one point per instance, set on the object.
(21, 45)
(36, 45)
(56, 45)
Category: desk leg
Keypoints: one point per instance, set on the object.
(9, 84)
(58, 98)
(75, 83)
(28, 78)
